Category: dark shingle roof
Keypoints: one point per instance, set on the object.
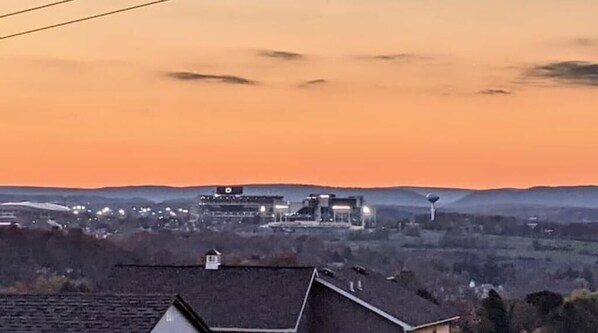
(213, 252)
(387, 296)
(229, 297)
(93, 313)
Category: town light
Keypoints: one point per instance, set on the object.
(341, 207)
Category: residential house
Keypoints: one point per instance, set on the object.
(287, 299)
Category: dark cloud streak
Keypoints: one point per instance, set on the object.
(284, 55)
(571, 72)
(229, 79)
(312, 83)
(400, 56)
(493, 92)
(393, 57)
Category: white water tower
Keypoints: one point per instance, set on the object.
(432, 198)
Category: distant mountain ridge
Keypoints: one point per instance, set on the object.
(389, 196)
(560, 196)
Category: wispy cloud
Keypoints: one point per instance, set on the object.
(68, 64)
(312, 83)
(229, 79)
(585, 41)
(493, 92)
(569, 72)
(283, 55)
(391, 57)
(400, 56)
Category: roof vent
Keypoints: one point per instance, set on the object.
(360, 269)
(213, 259)
(327, 272)
(351, 287)
(359, 285)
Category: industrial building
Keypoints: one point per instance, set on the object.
(229, 205)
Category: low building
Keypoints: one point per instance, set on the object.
(35, 214)
(229, 205)
(330, 211)
(287, 299)
(98, 313)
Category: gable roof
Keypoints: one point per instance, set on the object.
(231, 297)
(93, 313)
(213, 252)
(385, 297)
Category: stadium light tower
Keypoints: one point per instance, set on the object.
(432, 198)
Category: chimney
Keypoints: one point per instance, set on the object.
(213, 259)
(327, 272)
(360, 269)
(351, 287)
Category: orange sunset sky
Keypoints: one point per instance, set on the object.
(463, 93)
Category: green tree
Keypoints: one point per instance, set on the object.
(580, 313)
(545, 302)
(494, 315)
(523, 317)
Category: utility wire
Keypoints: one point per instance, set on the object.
(35, 8)
(81, 20)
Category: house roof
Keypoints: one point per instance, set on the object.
(230, 297)
(411, 310)
(93, 313)
(213, 252)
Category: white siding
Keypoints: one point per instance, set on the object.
(444, 328)
(174, 321)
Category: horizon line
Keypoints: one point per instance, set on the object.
(342, 187)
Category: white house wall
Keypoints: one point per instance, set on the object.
(443, 328)
(174, 321)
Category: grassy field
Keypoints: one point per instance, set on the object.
(513, 247)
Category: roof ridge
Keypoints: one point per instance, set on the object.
(92, 294)
(221, 266)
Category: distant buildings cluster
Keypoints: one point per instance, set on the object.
(226, 208)
(101, 222)
(230, 205)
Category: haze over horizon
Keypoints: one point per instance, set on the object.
(460, 93)
(282, 184)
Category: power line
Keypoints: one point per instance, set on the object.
(81, 20)
(35, 8)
